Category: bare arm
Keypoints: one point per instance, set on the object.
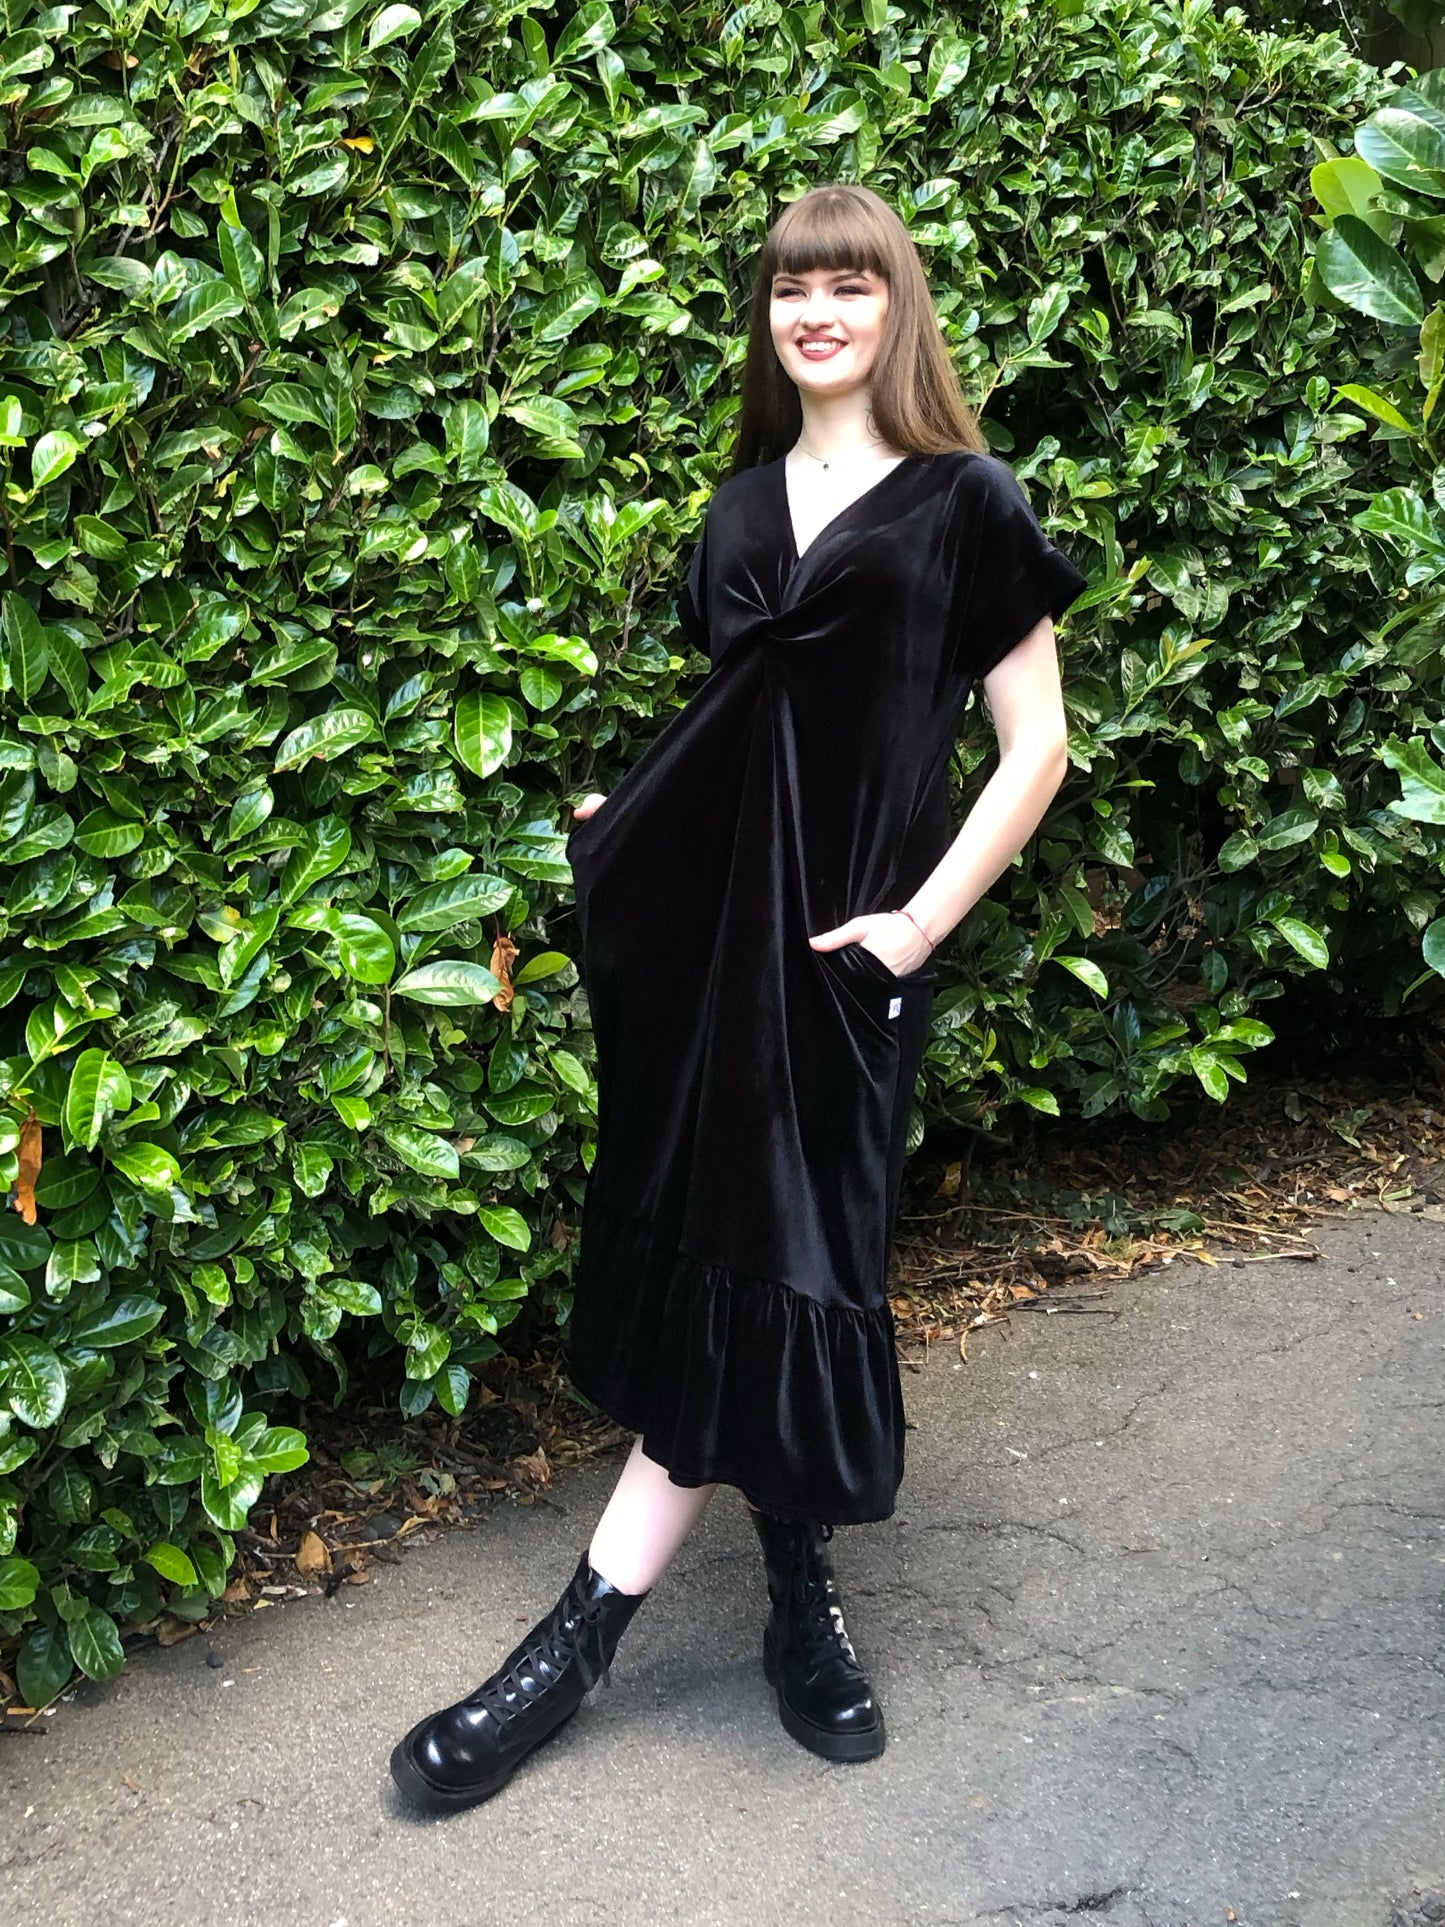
(1027, 705)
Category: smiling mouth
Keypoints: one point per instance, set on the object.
(820, 350)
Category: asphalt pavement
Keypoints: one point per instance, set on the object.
(1156, 1628)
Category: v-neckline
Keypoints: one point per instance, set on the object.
(833, 520)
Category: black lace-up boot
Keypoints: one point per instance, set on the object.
(469, 1751)
(824, 1698)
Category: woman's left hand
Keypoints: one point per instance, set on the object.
(890, 937)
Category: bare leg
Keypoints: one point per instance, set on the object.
(644, 1523)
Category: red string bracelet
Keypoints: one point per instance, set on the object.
(917, 926)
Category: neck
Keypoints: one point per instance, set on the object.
(838, 430)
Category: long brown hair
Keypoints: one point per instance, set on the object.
(914, 392)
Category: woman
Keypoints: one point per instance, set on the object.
(760, 899)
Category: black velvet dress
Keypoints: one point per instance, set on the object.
(753, 1093)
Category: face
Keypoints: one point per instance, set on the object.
(827, 325)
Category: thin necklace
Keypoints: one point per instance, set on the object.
(827, 461)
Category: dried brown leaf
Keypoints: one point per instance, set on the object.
(500, 964)
(311, 1554)
(532, 1468)
(31, 1158)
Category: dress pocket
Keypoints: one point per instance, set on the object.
(873, 991)
(926, 973)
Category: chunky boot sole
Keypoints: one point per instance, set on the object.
(425, 1793)
(864, 1743)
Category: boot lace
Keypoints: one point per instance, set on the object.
(817, 1616)
(562, 1636)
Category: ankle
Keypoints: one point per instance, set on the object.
(608, 1575)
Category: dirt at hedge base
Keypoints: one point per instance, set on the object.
(1044, 1222)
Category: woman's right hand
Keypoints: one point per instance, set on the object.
(589, 805)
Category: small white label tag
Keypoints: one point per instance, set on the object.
(895, 1004)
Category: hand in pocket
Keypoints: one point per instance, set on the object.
(894, 941)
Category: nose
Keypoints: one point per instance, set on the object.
(817, 311)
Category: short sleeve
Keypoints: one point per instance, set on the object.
(691, 603)
(1019, 576)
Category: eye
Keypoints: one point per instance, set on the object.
(846, 287)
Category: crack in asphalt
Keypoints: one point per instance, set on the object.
(1098, 1902)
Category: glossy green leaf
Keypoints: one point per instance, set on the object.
(32, 1380)
(27, 653)
(279, 1448)
(450, 981)
(19, 1581)
(325, 737)
(14, 1292)
(1309, 943)
(1422, 781)
(120, 1321)
(249, 811)
(285, 401)
(367, 952)
(468, 436)
(1087, 972)
(201, 307)
(483, 732)
(171, 1563)
(71, 1493)
(423, 1150)
(444, 905)
(44, 1666)
(453, 1385)
(52, 456)
(103, 833)
(242, 261)
(148, 1165)
(95, 1644)
(321, 850)
(1360, 268)
(391, 24)
(507, 1226)
(537, 969)
(552, 425)
(99, 1087)
(229, 1503)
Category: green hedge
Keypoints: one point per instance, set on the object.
(365, 371)
(1377, 212)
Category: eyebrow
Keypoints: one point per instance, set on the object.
(838, 274)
